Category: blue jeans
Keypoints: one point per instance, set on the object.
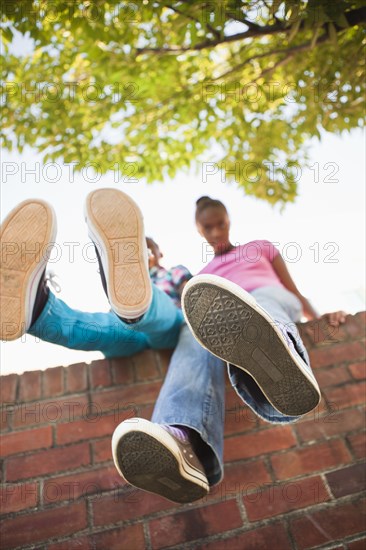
(159, 327)
(193, 393)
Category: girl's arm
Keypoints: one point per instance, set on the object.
(310, 313)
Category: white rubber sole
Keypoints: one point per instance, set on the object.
(115, 225)
(27, 235)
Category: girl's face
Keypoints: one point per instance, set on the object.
(213, 224)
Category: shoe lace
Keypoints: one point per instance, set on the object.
(51, 277)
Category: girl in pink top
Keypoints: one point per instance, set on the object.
(252, 265)
(243, 307)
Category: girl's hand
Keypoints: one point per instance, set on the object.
(336, 318)
(155, 251)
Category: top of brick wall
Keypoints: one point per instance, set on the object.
(285, 487)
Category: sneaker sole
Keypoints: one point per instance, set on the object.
(116, 226)
(228, 322)
(25, 236)
(147, 457)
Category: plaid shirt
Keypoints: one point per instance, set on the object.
(169, 280)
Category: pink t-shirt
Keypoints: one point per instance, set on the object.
(248, 265)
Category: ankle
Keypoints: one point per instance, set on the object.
(41, 299)
(131, 321)
(179, 431)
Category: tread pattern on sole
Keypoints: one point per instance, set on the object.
(238, 334)
(148, 464)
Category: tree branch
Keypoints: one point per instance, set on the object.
(210, 27)
(293, 50)
(246, 22)
(251, 33)
(353, 17)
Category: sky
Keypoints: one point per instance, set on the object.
(321, 235)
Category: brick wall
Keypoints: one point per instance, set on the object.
(284, 487)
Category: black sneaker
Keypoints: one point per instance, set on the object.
(27, 236)
(149, 457)
(115, 225)
(228, 322)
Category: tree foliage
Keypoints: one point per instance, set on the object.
(150, 87)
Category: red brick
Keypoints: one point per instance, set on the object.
(122, 370)
(100, 375)
(358, 444)
(259, 443)
(355, 326)
(50, 411)
(131, 538)
(320, 332)
(333, 523)
(347, 396)
(41, 526)
(284, 497)
(239, 479)
(97, 426)
(332, 376)
(53, 382)
(240, 419)
(80, 543)
(314, 458)
(361, 318)
(54, 460)
(8, 388)
(30, 386)
(194, 524)
(102, 450)
(145, 411)
(18, 496)
(146, 366)
(359, 544)
(232, 400)
(272, 536)
(164, 357)
(19, 442)
(337, 423)
(76, 378)
(127, 503)
(358, 370)
(71, 487)
(128, 397)
(338, 353)
(347, 481)
(5, 415)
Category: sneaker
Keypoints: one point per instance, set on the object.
(115, 225)
(27, 236)
(151, 458)
(228, 322)
(253, 397)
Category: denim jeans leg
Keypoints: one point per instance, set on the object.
(193, 395)
(286, 310)
(74, 329)
(161, 323)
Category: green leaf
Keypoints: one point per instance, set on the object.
(141, 91)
